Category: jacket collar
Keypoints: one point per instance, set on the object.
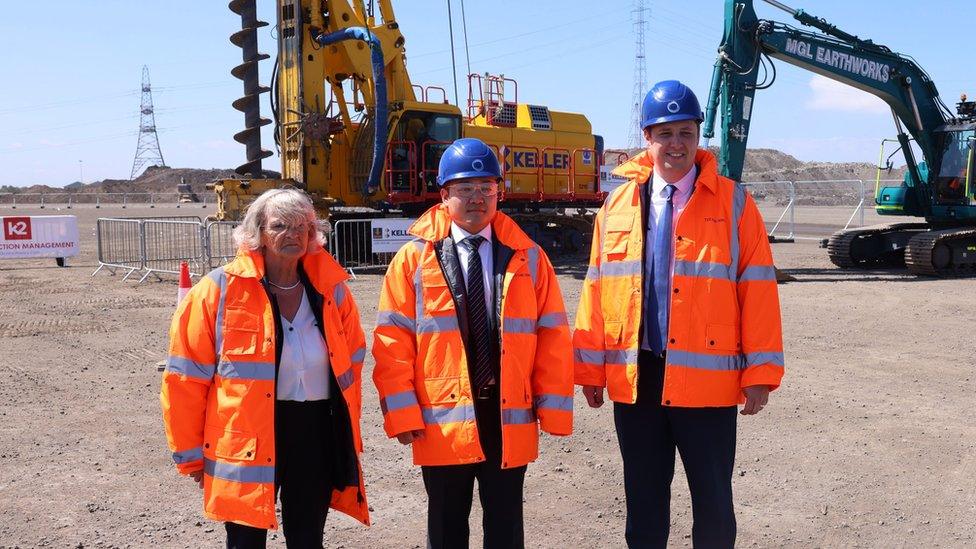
(435, 225)
(322, 269)
(640, 167)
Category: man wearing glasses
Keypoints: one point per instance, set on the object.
(473, 353)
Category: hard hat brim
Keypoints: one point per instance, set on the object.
(670, 118)
(469, 175)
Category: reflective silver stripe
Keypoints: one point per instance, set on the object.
(518, 325)
(186, 367)
(418, 243)
(533, 254)
(435, 324)
(621, 357)
(766, 357)
(440, 415)
(702, 269)
(517, 416)
(593, 273)
(398, 320)
(588, 356)
(738, 205)
(705, 362)
(220, 279)
(398, 401)
(339, 294)
(553, 320)
(758, 272)
(631, 267)
(258, 371)
(358, 355)
(554, 402)
(346, 379)
(239, 473)
(186, 456)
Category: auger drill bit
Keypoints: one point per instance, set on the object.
(249, 104)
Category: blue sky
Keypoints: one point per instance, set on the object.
(72, 73)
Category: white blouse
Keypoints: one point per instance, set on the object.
(303, 373)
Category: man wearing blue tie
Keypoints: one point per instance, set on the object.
(700, 332)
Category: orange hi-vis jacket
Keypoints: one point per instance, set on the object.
(724, 330)
(421, 361)
(218, 390)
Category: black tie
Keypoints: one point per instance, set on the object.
(480, 332)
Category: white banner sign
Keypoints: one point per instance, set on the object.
(38, 236)
(390, 234)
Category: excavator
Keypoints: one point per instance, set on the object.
(363, 140)
(939, 186)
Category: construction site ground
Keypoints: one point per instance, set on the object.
(870, 442)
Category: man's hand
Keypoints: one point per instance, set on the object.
(594, 395)
(756, 397)
(198, 477)
(410, 436)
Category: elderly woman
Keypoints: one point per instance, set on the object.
(262, 388)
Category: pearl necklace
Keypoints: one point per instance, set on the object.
(292, 287)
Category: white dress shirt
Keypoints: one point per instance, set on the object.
(303, 373)
(682, 193)
(459, 234)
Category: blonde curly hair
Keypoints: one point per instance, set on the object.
(291, 205)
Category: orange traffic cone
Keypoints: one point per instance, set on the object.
(185, 283)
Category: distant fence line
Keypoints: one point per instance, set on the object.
(154, 245)
(68, 200)
(791, 194)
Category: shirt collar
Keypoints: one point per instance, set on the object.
(459, 234)
(684, 185)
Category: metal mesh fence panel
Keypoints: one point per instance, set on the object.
(220, 242)
(167, 243)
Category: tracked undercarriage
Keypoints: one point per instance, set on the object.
(948, 252)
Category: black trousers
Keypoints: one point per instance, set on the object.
(303, 478)
(450, 489)
(648, 434)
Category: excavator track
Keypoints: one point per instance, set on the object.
(943, 253)
(877, 245)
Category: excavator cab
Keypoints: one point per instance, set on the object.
(953, 185)
(417, 141)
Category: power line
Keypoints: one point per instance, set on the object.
(510, 37)
(522, 50)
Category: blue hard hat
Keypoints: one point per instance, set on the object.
(670, 101)
(466, 158)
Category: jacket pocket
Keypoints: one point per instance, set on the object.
(437, 298)
(721, 337)
(241, 332)
(229, 444)
(441, 390)
(617, 236)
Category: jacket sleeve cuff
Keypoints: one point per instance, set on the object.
(190, 467)
(403, 420)
(588, 374)
(763, 374)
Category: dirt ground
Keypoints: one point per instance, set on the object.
(869, 443)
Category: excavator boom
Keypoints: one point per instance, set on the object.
(938, 186)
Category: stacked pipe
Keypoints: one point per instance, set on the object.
(249, 103)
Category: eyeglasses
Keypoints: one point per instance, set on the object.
(278, 227)
(469, 191)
